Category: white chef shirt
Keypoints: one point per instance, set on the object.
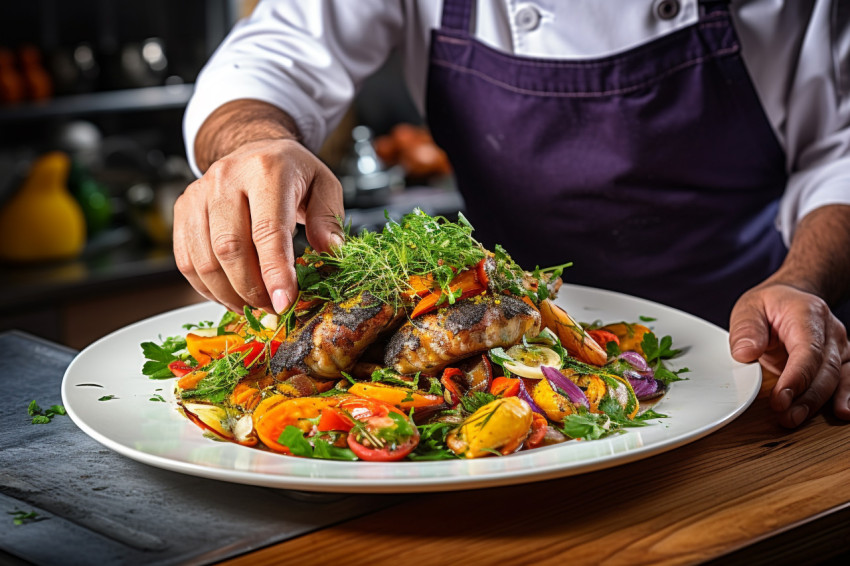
(309, 57)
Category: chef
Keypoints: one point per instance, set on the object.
(696, 153)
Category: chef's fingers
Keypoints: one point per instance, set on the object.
(803, 327)
(749, 329)
(231, 240)
(201, 198)
(184, 228)
(324, 211)
(273, 208)
(828, 374)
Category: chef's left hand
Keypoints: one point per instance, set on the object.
(795, 335)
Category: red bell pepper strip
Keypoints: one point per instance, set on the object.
(179, 368)
(256, 349)
(450, 381)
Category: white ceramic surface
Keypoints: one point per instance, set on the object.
(718, 390)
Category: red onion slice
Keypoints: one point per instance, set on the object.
(644, 386)
(558, 381)
(524, 395)
(635, 360)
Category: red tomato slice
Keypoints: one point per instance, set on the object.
(332, 419)
(374, 415)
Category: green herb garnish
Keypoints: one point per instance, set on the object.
(222, 376)
(44, 416)
(107, 398)
(160, 355)
(22, 517)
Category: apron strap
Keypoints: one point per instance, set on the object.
(457, 15)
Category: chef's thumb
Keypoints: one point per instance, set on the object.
(749, 330)
(325, 214)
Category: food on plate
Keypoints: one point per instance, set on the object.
(414, 343)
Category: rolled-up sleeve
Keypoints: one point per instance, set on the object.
(817, 119)
(306, 58)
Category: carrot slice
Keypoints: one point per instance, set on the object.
(400, 397)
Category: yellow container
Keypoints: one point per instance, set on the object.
(43, 221)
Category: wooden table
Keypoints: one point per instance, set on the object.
(751, 493)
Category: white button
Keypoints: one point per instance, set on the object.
(527, 18)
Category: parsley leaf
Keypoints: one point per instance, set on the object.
(650, 414)
(40, 419)
(160, 355)
(252, 320)
(474, 400)
(33, 409)
(656, 351)
(293, 438)
(667, 376)
(107, 398)
(647, 318)
(432, 443)
(588, 426)
(22, 517)
(43, 416)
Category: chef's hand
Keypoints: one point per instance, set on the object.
(233, 227)
(793, 333)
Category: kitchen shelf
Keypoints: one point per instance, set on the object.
(136, 99)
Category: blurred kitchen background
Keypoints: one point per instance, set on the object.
(92, 95)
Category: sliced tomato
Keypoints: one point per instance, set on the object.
(332, 419)
(374, 436)
(539, 424)
(179, 368)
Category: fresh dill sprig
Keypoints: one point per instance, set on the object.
(382, 263)
(222, 376)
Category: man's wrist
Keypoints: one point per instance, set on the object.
(237, 123)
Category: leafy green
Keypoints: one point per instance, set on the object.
(293, 438)
(668, 376)
(228, 318)
(647, 318)
(650, 414)
(612, 349)
(157, 397)
(392, 377)
(586, 425)
(222, 376)
(432, 443)
(107, 398)
(22, 517)
(160, 355)
(381, 263)
(202, 324)
(474, 400)
(655, 351)
(44, 416)
(252, 320)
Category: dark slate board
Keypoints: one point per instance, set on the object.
(99, 507)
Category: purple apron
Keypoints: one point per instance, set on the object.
(654, 170)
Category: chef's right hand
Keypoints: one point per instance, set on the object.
(233, 227)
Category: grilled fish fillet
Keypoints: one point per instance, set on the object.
(431, 342)
(333, 340)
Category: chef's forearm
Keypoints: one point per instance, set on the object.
(237, 123)
(819, 258)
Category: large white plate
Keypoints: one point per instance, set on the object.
(719, 389)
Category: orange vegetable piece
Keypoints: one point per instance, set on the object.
(191, 379)
(272, 416)
(602, 337)
(572, 336)
(505, 386)
(207, 348)
(400, 397)
(468, 284)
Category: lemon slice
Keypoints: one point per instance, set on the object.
(527, 360)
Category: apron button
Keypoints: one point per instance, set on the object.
(667, 9)
(527, 18)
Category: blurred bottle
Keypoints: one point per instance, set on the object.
(43, 221)
(12, 88)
